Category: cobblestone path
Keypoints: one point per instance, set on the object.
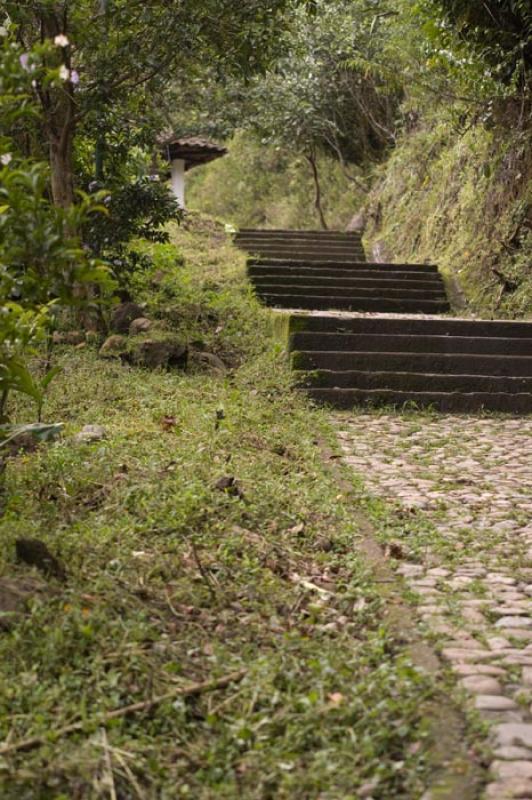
(461, 489)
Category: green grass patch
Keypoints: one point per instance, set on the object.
(173, 579)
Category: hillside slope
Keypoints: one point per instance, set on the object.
(462, 198)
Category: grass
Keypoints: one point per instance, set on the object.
(172, 580)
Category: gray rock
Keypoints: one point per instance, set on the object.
(510, 753)
(514, 769)
(513, 789)
(168, 353)
(513, 734)
(113, 347)
(478, 669)
(140, 325)
(489, 702)
(513, 622)
(481, 684)
(463, 655)
(527, 676)
(212, 362)
(123, 316)
(91, 433)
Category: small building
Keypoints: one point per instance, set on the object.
(185, 153)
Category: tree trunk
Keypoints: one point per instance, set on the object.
(311, 158)
(62, 167)
(59, 110)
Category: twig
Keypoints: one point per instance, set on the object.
(126, 711)
(108, 765)
(133, 781)
(203, 571)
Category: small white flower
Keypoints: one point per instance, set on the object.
(61, 40)
(64, 73)
(6, 159)
(74, 77)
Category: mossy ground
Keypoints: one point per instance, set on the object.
(172, 580)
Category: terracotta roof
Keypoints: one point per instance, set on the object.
(195, 150)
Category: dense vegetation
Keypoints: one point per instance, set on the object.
(191, 533)
(417, 114)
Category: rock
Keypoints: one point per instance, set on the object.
(229, 485)
(478, 669)
(36, 554)
(114, 347)
(212, 362)
(527, 676)
(513, 753)
(166, 353)
(515, 769)
(498, 643)
(90, 433)
(481, 684)
(123, 316)
(514, 734)
(513, 622)
(140, 325)
(462, 655)
(513, 789)
(14, 598)
(489, 702)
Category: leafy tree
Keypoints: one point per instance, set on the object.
(42, 264)
(321, 95)
(499, 29)
(117, 57)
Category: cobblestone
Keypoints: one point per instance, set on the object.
(461, 490)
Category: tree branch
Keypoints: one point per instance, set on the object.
(126, 711)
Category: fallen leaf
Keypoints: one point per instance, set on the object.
(336, 698)
(168, 423)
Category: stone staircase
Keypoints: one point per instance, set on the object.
(325, 270)
(383, 358)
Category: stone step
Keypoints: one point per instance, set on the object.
(443, 363)
(353, 303)
(453, 402)
(334, 290)
(254, 233)
(348, 265)
(448, 326)
(344, 277)
(311, 254)
(415, 382)
(298, 241)
(409, 343)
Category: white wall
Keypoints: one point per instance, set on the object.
(178, 180)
